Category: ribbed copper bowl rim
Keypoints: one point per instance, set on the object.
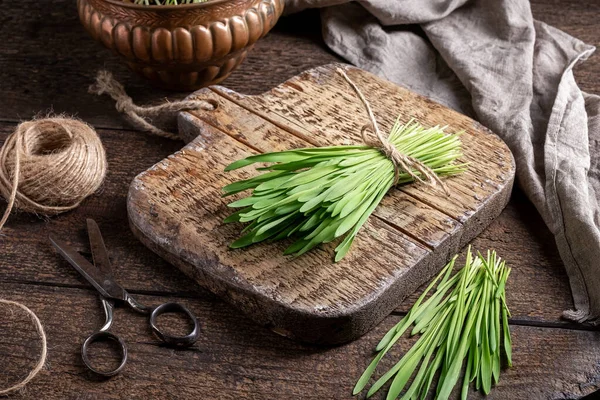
(164, 8)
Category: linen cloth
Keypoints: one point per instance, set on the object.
(491, 60)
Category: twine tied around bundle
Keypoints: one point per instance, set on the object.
(50, 165)
(138, 116)
(399, 160)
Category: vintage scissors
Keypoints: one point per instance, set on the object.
(100, 276)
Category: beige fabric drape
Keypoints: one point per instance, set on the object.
(491, 60)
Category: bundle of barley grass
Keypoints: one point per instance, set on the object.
(316, 195)
(464, 321)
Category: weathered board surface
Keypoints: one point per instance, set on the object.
(176, 208)
(234, 358)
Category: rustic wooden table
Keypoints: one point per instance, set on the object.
(46, 63)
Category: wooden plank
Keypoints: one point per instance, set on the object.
(175, 208)
(304, 108)
(185, 215)
(538, 288)
(475, 195)
(43, 65)
(417, 220)
(61, 61)
(521, 238)
(236, 359)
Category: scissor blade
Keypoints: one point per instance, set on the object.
(99, 252)
(101, 282)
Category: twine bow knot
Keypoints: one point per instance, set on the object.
(399, 160)
(139, 117)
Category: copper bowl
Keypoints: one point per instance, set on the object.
(183, 47)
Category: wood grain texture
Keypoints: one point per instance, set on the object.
(48, 62)
(176, 207)
(62, 61)
(253, 363)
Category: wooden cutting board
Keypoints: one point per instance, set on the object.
(176, 208)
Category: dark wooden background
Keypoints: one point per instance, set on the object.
(46, 63)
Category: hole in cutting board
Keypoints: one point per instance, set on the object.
(214, 103)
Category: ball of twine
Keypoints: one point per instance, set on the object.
(50, 165)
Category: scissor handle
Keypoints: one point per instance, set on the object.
(102, 336)
(173, 340)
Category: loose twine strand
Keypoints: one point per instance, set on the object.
(138, 115)
(42, 358)
(51, 165)
(48, 166)
(400, 161)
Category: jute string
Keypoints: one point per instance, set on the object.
(399, 160)
(42, 358)
(49, 166)
(139, 116)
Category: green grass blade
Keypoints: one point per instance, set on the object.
(464, 393)
(402, 325)
(366, 375)
(403, 376)
(507, 339)
(451, 377)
